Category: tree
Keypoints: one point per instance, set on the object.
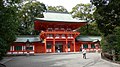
(108, 18)
(107, 15)
(90, 30)
(8, 23)
(27, 13)
(83, 11)
(111, 44)
(57, 8)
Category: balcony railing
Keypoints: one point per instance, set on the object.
(59, 37)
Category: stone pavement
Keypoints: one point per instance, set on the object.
(60, 60)
(6, 59)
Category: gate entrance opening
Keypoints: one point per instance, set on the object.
(59, 47)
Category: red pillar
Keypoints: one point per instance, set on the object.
(45, 45)
(53, 46)
(66, 45)
(74, 49)
(89, 46)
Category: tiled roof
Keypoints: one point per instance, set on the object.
(25, 38)
(57, 16)
(89, 38)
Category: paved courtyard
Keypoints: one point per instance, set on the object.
(60, 60)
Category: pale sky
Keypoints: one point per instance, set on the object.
(68, 4)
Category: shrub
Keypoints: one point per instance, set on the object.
(3, 48)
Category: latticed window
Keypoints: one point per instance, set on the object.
(48, 46)
(85, 45)
(50, 29)
(57, 35)
(63, 35)
(92, 45)
(62, 29)
(70, 36)
(56, 28)
(68, 29)
(29, 48)
(18, 47)
(50, 35)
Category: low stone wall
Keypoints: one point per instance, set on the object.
(109, 57)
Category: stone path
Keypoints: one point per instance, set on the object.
(60, 60)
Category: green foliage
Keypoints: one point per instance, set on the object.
(90, 29)
(107, 15)
(27, 13)
(103, 45)
(83, 11)
(117, 30)
(112, 42)
(8, 23)
(3, 47)
(56, 9)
